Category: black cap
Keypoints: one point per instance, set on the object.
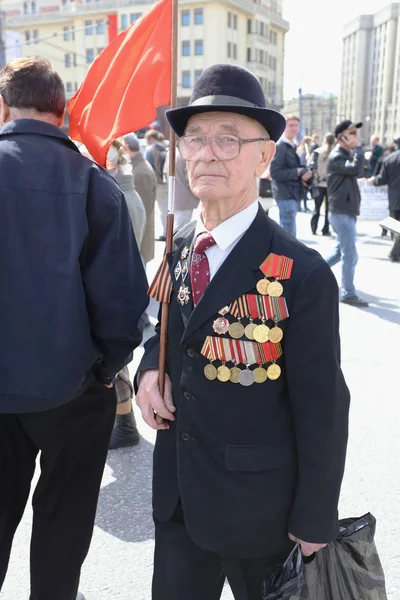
(228, 88)
(347, 124)
(397, 140)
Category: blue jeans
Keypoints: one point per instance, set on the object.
(287, 215)
(345, 229)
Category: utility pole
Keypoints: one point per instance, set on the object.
(301, 110)
(2, 48)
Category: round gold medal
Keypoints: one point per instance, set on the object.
(260, 375)
(249, 331)
(275, 289)
(210, 372)
(261, 334)
(274, 371)
(275, 335)
(235, 372)
(262, 286)
(236, 330)
(223, 373)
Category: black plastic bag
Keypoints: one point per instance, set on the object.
(284, 581)
(347, 569)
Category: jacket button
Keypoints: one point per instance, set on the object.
(185, 436)
(191, 352)
(187, 395)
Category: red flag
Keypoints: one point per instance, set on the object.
(125, 84)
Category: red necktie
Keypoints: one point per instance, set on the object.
(199, 266)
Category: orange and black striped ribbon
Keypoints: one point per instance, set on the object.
(161, 286)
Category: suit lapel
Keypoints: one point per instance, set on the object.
(174, 258)
(237, 275)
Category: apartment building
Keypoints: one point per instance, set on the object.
(370, 85)
(71, 33)
(318, 114)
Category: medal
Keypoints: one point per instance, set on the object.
(235, 373)
(183, 295)
(275, 334)
(210, 372)
(260, 375)
(178, 271)
(221, 325)
(185, 253)
(224, 311)
(274, 371)
(249, 330)
(262, 286)
(223, 373)
(261, 333)
(236, 330)
(185, 270)
(275, 289)
(246, 377)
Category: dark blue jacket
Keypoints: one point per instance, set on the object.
(72, 282)
(286, 184)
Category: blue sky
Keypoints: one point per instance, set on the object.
(313, 44)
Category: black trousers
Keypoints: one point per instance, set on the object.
(73, 441)
(184, 571)
(395, 251)
(322, 195)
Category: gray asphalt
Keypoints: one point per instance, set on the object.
(119, 565)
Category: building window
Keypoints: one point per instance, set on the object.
(197, 74)
(229, 19)
(36, 36)
(27, 36)
(186, 79)
(135, 17)
(185, 17)
(89, 55)
(234, 51)
(186, 48)
(67, 36)
(235, 21)
(76, 86)
(34, 7)
(26, 8)
(100, 26)
(261, 56)
(261, 26)
(75, 61)
(73, 33)
(89, 27)
(68, 87)
(124, 21)
(198, 47)
(68, 60)
(248, 54)
(99, 50)
(198, 16)
(249, 26)
(229, 50)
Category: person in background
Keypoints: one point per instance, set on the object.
(315, 142)
(75, 290)
(185, 202)
(345, 165)
(372, 156)
(288, 176)
(146, 185)
(304, 152)
(390, 175)
(125, 432)
(319, 159)
(264, 187)
(156, 152)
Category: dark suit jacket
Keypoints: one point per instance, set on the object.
(252, 463)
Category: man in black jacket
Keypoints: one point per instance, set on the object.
(73, 290)
(390, 175)
(345, 165)
(251, 454)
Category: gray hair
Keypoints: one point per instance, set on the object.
(132, 141)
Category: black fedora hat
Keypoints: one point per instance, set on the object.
(228, 88)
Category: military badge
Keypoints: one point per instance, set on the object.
(183, 295)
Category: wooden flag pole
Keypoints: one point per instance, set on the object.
(162, 359)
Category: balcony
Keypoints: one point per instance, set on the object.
(253, 38)
(52, 11)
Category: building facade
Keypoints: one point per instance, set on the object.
(317, 114)
(71, 33)
(370, 84)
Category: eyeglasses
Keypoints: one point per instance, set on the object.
(223, 146)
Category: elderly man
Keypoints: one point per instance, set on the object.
(251, 452)
(73, 292)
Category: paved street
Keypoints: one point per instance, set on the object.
(120, 561)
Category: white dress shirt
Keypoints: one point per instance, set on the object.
(227, 235)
